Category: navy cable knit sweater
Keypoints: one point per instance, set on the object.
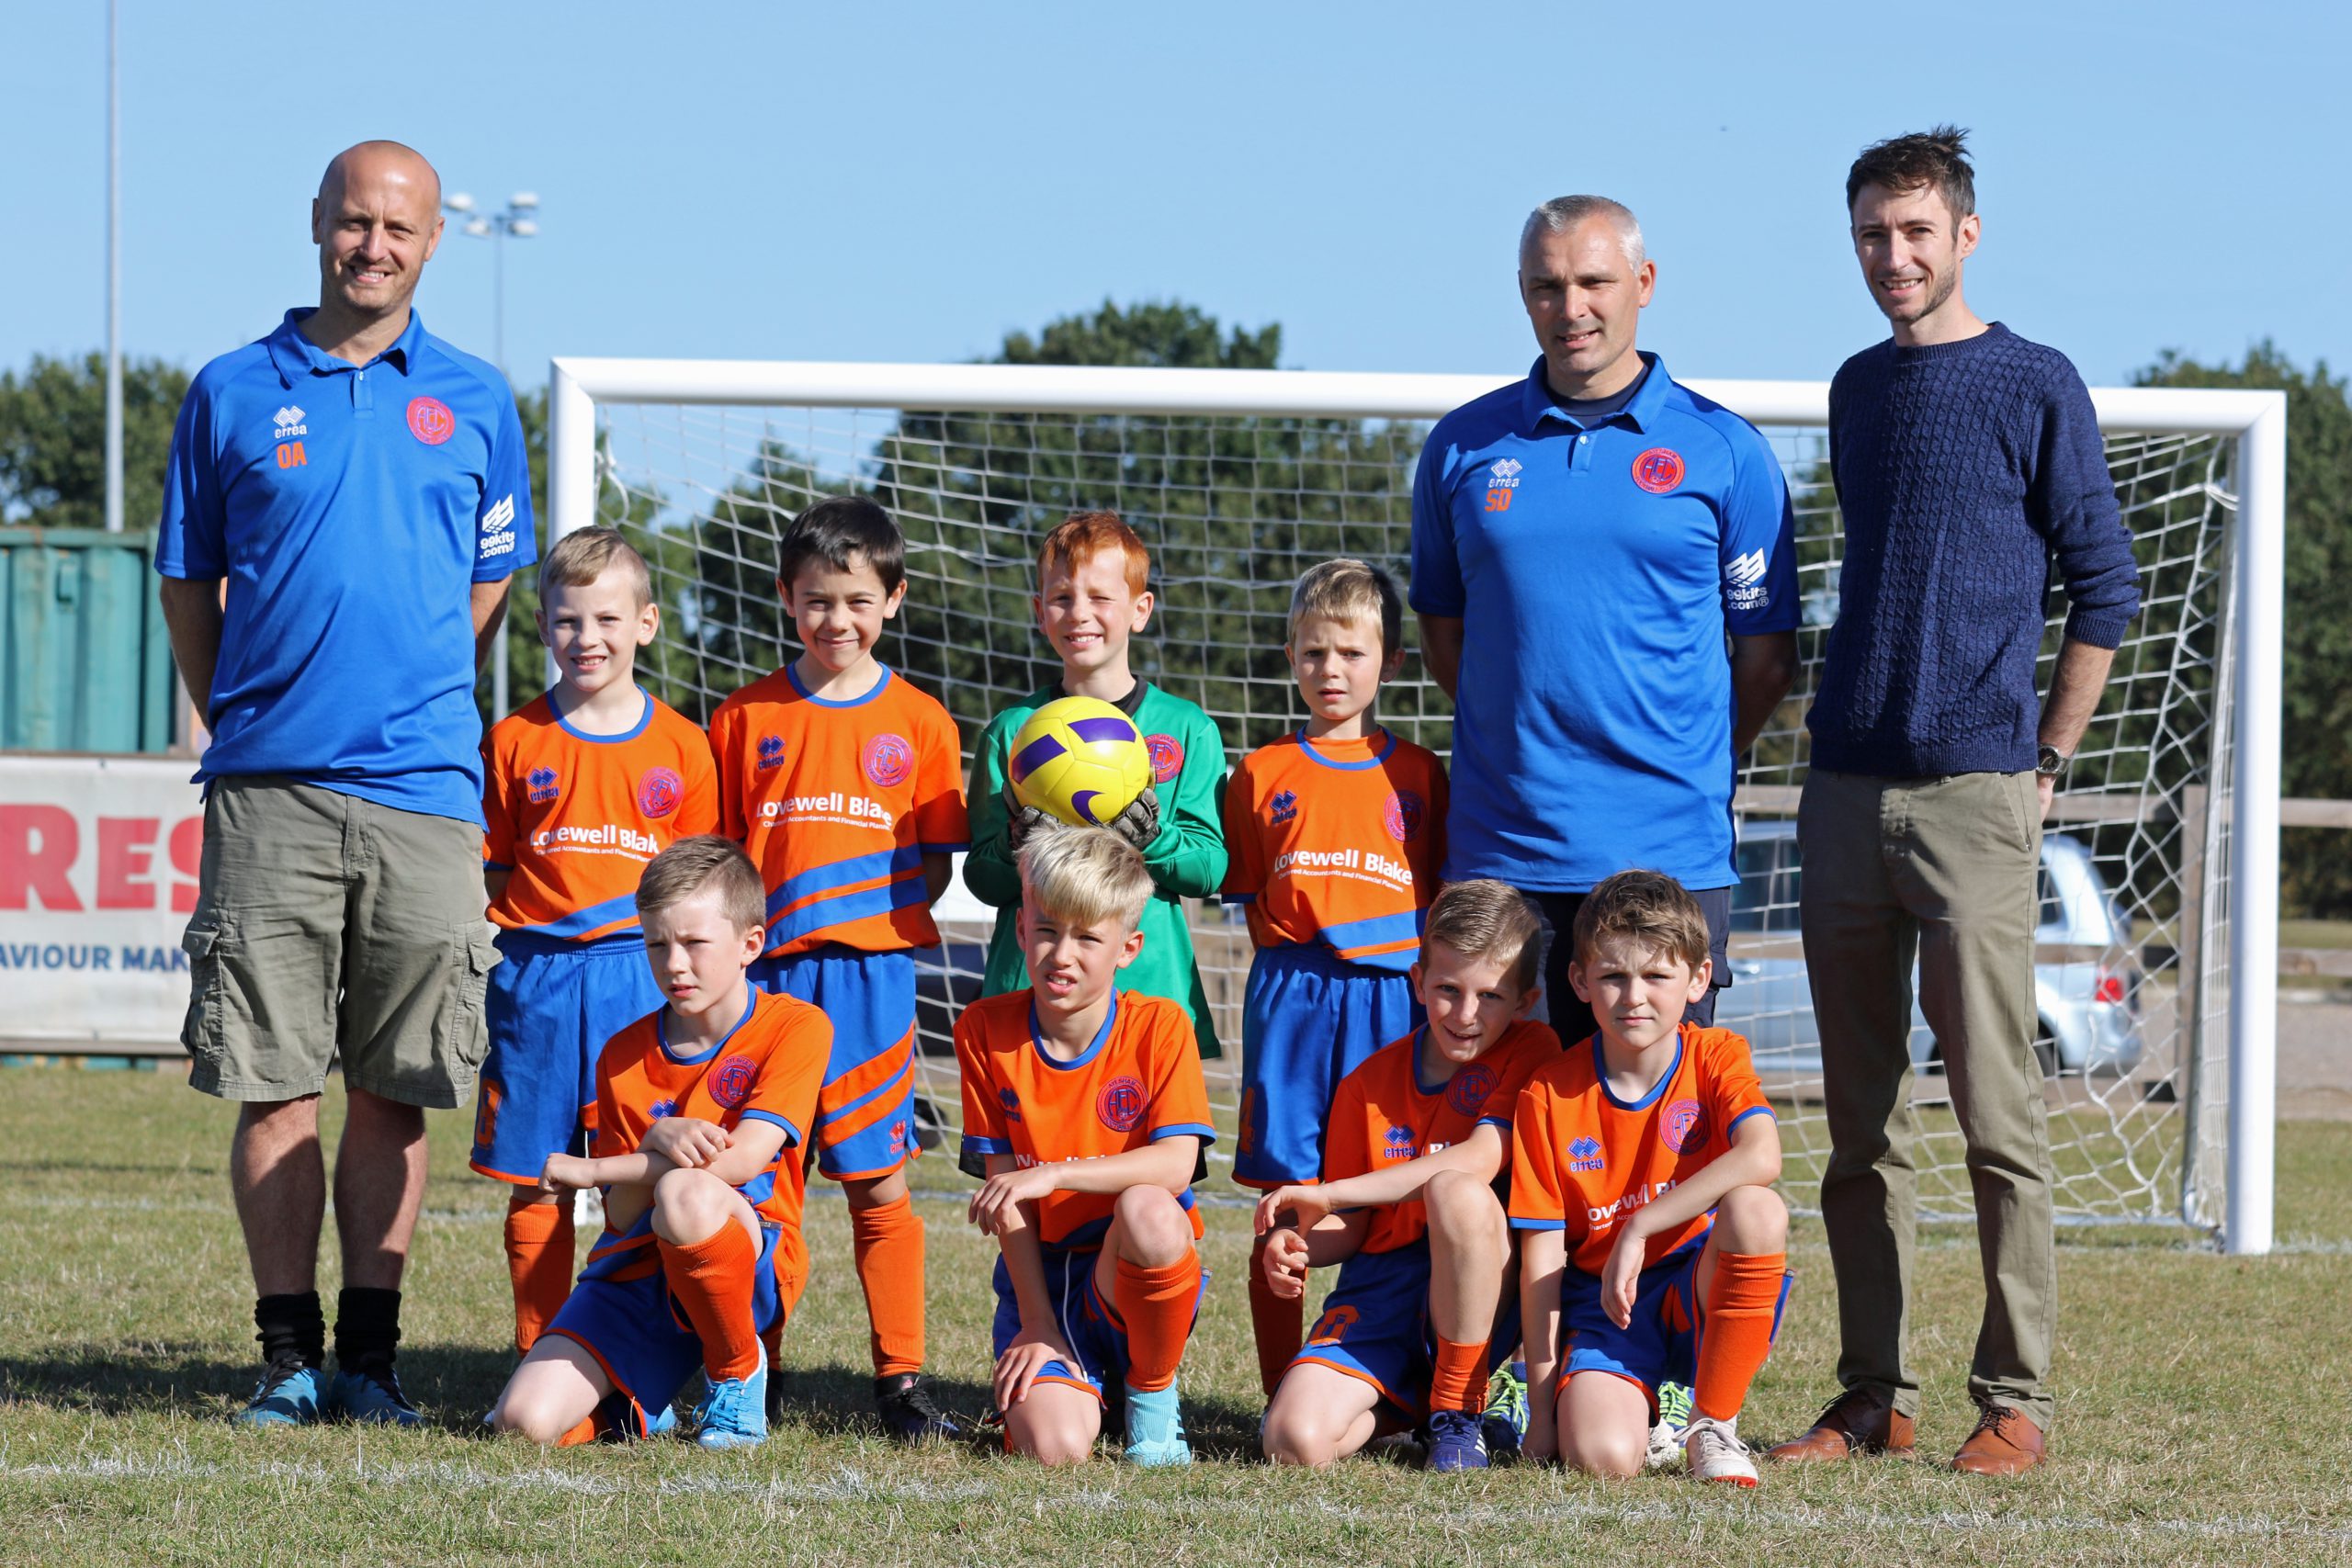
(1963, 468)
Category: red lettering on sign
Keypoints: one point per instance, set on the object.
(187, 857)
(125, 849)
(37, 844)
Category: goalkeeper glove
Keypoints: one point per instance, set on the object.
(1139, 823)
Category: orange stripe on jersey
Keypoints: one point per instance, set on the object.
(1582, 1159)
(1383, 1116)
(1338, 842)
(574, 817)
(1138, 1082)
(861, 1081)
(766, 1069)
(838, 802)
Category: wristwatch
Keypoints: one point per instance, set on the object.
(2051, 763)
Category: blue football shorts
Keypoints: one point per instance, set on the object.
(865, 1108)
(639, 1333)
(1309, 1020)
(1376, 1327)
(1090, 1326)
(1661, 1343)
(551, 1005)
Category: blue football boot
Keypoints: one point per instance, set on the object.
(371, 1393)
(1456, 1441)
(734, 1414)
(1156, 1427)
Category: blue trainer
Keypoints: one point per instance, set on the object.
(372, 1395)
(734, 1414)
(1156, 1427)
(1456, 1441)
(288, 1396)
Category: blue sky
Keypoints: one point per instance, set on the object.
(910, 182)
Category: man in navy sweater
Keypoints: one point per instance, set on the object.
(1966, 459)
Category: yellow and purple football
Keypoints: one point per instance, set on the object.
(1081, 760)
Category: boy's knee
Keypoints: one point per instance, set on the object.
(689, 1204)
(1460, 1205)
(1291, 1436)
(525, 1418)
(1617, 1456)
(1153, 1226)
(1753, 1219)
(1052, 1441)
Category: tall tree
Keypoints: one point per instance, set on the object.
(52, 441)
(2315, 874)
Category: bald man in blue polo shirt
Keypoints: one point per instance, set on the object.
(345, 502)
(1584, 543)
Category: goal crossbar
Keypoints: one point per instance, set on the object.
(2255, 421)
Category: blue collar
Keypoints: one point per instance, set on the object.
(1388, 745)
(661, 1033)
(1649, 1098)
(792, 673)
(297, 356)
(1537, 404)
(1094, 1048)
(563, 722)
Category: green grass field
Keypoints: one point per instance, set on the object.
(2201, 1398)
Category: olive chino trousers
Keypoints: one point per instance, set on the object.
(1943, 870)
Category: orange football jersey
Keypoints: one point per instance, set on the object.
(1581, 1158)
(766, 1069)
(1338, 842)
(838, 802)
(1381, 1116)
(573, 817)
(1137, 1083)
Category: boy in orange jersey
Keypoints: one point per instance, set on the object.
(845, 785)
(1089, 1112)
(1336, 836)
(1093, 598)
(1418, 1134)
(1652, 1246)
(701, 1112)
(582, 787)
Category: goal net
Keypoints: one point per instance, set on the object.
(1239, 480)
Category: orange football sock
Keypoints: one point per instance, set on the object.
(1158, 1304)
(887, 1243)
(1742, 1301)
(538, 1261)
(591, 1426)
(1459, 1382)
(1279, 1326)
(712, 1279)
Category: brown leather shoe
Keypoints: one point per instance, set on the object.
(1855, 1422)
(2006, 1442)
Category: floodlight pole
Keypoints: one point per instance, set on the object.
(114, 271)
(517, 220)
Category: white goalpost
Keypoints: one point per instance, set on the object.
(2157, 962)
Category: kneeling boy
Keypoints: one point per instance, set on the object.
(696, 1105)
(1641, 1171)
(1088, 1113)
(1416, 1136)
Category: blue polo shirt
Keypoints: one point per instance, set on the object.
(1597, 572)
(352, 507)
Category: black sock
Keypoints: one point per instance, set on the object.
(291, 1326)
(366, 1328)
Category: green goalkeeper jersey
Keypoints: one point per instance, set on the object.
(1187, 860)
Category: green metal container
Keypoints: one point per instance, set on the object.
(85, 664)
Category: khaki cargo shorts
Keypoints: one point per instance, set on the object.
(323, 919)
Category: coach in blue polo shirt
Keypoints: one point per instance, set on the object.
(345, 502)
(1583, 542)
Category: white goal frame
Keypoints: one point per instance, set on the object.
(2256, 420)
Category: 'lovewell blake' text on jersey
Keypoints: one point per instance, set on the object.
(1338, 843)
(574, 817)
(838, 802)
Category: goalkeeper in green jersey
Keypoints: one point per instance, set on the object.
(1092, 598)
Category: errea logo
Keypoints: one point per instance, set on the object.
(289, 424)
(1503, 474)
